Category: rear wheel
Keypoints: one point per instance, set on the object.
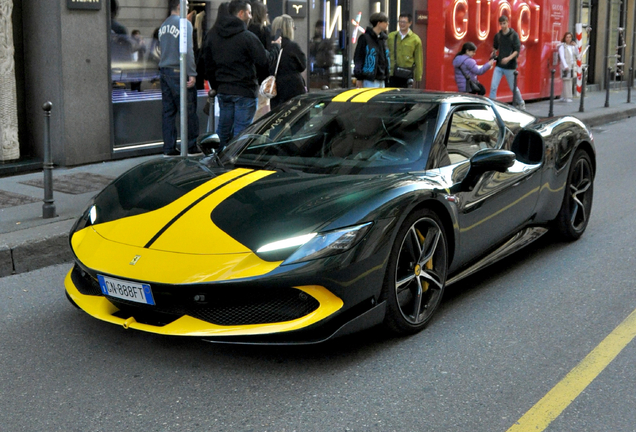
(577, 202)
(416, 274)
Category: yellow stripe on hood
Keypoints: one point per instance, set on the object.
(195, 233)
(139, 229)
(107, 257)
(191, 250)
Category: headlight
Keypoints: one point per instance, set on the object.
(315, 245)
(88, 218)
(287, 243)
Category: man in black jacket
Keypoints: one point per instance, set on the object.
(371, 57)
(506, 49)
(230, 53)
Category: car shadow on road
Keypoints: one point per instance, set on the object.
(547, 245)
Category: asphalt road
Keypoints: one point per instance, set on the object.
(502, 340)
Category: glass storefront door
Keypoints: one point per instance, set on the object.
(334, 31)
(134, 53)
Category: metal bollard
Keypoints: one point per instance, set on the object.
(48, 208)
(608, 73)
(551, 112)
(583, 86)
(630, 83)
(514, 89)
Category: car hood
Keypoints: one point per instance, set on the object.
(183, 207)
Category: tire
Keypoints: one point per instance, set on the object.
(574, 215)
(416, 273)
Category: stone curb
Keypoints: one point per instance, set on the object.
(30, 249)
(610, 116)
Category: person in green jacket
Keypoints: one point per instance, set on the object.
(405, 48)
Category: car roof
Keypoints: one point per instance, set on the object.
(392, 95)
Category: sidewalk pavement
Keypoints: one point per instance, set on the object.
(29, 242)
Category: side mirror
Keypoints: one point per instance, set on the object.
(484, 161)
(208, 143)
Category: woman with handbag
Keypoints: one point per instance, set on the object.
(466, 70)
(293, 61)
(567, 57)
(260, 27)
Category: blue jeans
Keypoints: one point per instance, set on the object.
(372, 84)
(510, 77)
(235, 114)
(170, 100)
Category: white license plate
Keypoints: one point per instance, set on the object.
(131, 291)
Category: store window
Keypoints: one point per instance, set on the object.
(334, 32)
(134, 72)
(327, 44)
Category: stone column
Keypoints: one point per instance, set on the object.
(9, 145)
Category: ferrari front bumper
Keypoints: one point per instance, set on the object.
(173, 321)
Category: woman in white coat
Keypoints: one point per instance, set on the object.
(567, 57)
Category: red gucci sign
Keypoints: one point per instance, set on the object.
(539, 23)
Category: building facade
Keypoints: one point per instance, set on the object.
(103, 84)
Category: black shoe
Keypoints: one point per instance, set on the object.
(194, 152)
(172, 153)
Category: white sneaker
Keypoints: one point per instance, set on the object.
(568, 100)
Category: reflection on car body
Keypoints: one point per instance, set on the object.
(336, 212)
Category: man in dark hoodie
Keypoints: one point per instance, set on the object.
(231, 53)
(371, 57)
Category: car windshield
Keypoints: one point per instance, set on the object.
(323, 136)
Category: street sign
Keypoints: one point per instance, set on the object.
(84, 4)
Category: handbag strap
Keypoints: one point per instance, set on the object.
(395, 47)
(278, 61)
(462, 70)
(397, 33)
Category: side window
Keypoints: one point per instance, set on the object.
(514, 119)
(471, 130)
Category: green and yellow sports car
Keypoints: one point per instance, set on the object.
(337, 212)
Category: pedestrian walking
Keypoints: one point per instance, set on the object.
(506, 48)
(169, 69)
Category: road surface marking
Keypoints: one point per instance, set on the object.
(563, 394)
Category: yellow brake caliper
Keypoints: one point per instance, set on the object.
(428, 265)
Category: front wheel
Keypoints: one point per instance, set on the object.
(416, 274)
(577, 202)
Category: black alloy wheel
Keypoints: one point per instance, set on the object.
(416, 275)
(577, 202)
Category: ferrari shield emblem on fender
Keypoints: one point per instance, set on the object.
(135, 259)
